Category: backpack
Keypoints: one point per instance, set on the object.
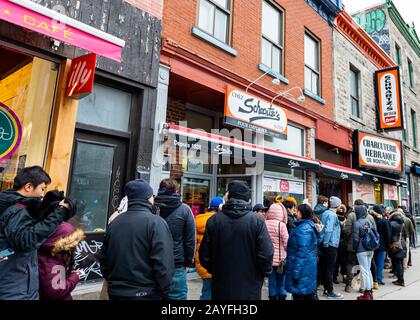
(369, 237)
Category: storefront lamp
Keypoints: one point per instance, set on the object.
(275, 81)
(301, 98)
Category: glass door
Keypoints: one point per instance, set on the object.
(196, 193)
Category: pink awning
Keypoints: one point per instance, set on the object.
(38, 18)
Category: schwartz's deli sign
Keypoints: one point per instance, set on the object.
(377, 152)
(249, 112)
(388, 99)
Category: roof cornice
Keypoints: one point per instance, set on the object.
(361, 40)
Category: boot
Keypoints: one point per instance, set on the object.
(375, 285)
(348, 289)
(371, 294)
(364, 296)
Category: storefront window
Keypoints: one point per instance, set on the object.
(390, 196)
(284, 172)
(196, 193)
(223, 182)
(27, 87)
(379, 194)
(274, 188)
(294, 144)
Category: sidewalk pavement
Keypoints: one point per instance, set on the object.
(389, 291)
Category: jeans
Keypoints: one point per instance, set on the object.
(206, 290)
(379, 257)
(365, 261)
(329, 256)
(374, 271)
(276, 284)
(179, 285)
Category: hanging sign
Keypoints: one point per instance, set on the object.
(378, 152)
(388, 99)
(246, 111)
(10, 132)
(81, 76)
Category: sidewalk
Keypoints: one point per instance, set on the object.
(389, 291)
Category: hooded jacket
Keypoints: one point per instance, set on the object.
(277, 229)
(19, 279)
(137, 253)
(330, 235)
(201, 221)
(319, 210)
(398, 227)
(51, 254)
(237, 251)
(181, 222)
(361, 222)
(348, 229)
(301, 263)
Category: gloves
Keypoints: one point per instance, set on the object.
(295, 281)
(71, 211)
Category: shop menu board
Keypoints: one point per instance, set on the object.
(378, 152)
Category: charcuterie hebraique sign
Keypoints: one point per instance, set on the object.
(10, 132)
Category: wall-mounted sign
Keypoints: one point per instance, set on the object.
(388, 99)
(283, 186)
(10, 132)
(364, 191)
(36, 17)
(81, 76)
(379, 153)
(246, 111)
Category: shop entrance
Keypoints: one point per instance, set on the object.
(196, 193)
(97, 178)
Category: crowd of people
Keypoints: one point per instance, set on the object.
(152, 241)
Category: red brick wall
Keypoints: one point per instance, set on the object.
(154, 7)
(180, 16)
(176, 111)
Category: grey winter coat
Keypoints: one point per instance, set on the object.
(362, 219)
(348, 229)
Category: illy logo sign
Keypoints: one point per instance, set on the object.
(81, 76)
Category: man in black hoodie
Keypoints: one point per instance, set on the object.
(137, 256)
(236, 248)
(181, 222)
(23, 231)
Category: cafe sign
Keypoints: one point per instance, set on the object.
(378, 152)
(10, 132)
(246, 111)
(388, 99)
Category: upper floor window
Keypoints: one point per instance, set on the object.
(214, 18)
(272, 37)
(414, 127)
(354, 92)
(398, 54)
(404, 133)
(410, 73)
(312, 63)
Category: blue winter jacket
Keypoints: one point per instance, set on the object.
(301, 262)
(330, 235)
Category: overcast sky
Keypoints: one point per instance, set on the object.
(409, 9)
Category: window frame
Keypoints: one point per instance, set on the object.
(357, 73)
(405, 126)
(398, 54)
(228, 24)
(278, 46)
(318, 41)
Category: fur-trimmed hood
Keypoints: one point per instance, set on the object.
(64, 238)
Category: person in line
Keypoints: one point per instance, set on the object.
(261, 210)
(340, 265)
(301, 263)
(291, 215)
(277, 229)
(200, 222)
(236, 248)
(137, 256)
(364, 255)
(409, 227)
(181, 222)
(348, 238)
(398, 246)
(321, 206)
(378, 213)
(23, 230)
(330, 239)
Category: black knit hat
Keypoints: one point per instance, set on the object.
(138, 190)
(239, 190)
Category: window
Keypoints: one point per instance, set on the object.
(272, 37)
(294, 144)
(404, 133)
(214, 18)
(354, 92)
(410, 73)
(312, 64)
(414, 127)
(398, 53)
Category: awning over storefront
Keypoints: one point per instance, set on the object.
(218, 141)
(378, 178)
(340, 172)
(30, 15)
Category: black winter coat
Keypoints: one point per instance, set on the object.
(383, 228)
(137, 253)
(397, 228)
(20, 231)
(237, 250)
